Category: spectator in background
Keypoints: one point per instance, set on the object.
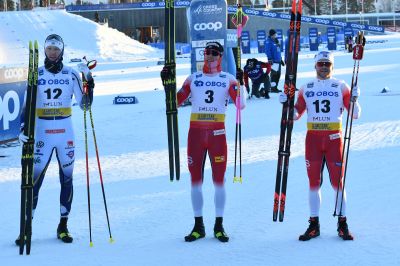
(254, 70)
(273, 52)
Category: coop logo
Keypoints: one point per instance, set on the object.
(306, 19)
(269, 14)
(125, 100)
(6, 114)
(148, 4)
(14, 73)
(375, 28)
(231, 37)
(322, 21)
(215, 26)
(284, 16)
(357, 26)
(340, 23)
(252, 11)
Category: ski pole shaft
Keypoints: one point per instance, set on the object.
(85, 106)
(100, 173)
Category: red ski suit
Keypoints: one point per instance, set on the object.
(324, 101)
(209, 97)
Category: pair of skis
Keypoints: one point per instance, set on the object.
(287, 112)
(28, 148)
(170, 92)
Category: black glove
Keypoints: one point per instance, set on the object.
(239, 75)
(90, 84)
(282, 63)
(167, 73)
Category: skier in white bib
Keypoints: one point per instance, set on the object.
(57, 84)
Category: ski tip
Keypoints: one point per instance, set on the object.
(36, 44)
(237, 179)
(111, 240)
(91, 244)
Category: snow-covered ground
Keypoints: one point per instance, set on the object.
(149, 215)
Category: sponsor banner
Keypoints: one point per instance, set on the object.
(125, 100)
(348, 32)
(215, 9)
(331, 34)
(261, 37)
(207, 22)
(313, 37)
(11, 101)
(11, 75)
(245, 42)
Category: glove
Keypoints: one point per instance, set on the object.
(282, 63)
(239, 75)
(355, 93)
(166, 74)
(282, 97)
(82, 67)
(22, 138)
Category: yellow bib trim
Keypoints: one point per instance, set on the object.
(324, 126)
(201, 117)
(50, 112)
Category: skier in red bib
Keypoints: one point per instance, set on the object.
(210, 91)
(325, 99)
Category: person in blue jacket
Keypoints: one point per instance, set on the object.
(273, 52)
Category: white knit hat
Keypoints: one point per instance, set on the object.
(324, 56)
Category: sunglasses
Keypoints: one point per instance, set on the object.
(324, 64)
(212, 52)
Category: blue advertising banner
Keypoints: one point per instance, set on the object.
(261, 36)
(12, 91)
(231, 10)
(207, 22)
(331, 34)
(348, 32)
(314, 40)
(245, 42)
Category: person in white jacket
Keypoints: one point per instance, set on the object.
(57, 84)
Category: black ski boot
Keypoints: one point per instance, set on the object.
(343, 229)
(312, 230)
(198, 230)
(219, 232)
(62, 231)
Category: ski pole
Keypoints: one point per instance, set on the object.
(92, 64)
(358, 52)
(87, 157)
(239, 19)
(100, 173)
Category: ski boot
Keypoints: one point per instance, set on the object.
(343, 229)
(312, 230)
(219, 232)
(62, 231)
(198, 230)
